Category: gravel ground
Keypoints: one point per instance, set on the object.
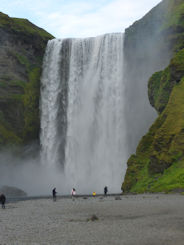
(132, 220)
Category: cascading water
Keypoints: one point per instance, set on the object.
(54, 103)
(50, 87)
(82, 112)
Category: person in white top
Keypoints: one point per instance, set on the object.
(73, 193)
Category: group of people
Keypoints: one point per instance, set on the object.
(73, 193)
(54, 192)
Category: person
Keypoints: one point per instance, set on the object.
(105, 190)
(94, 193)
(54, 194)
(2, 200)
(73, 193)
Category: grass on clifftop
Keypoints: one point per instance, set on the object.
(23, 25)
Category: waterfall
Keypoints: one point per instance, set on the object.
(53, 104)
(82, 112)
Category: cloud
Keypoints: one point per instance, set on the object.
(86, 19)
(80, 18)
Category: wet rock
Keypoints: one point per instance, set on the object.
(117, 198)
(11, 191)
(93, 218)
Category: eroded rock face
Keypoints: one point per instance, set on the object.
(146, 50)
(22, 46)
(10, 191)
(158, 165)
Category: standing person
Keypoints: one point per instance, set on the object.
(54, 194)
(2, 200)
(73, 193)
(105, 190)
(94, 193)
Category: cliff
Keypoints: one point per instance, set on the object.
(22, 46)
(147, 49)
(158, 165)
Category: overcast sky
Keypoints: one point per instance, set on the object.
(79, 18)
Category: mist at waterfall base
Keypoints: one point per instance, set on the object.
(27, 173)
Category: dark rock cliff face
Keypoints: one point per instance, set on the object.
(158, 164)
(22, 46)
(146, 50)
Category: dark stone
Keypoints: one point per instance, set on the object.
(93, 218)
(11, 191)
(157, 166)
(117, 198)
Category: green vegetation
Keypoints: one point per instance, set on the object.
(170, 181)
(31, 105)
(174, 23)
(158, 165)
(23, 60)
(175, 16)
(26, 100)
(21, 63)
(159, 160)
(23, 26)
(161, 83)
(7, 137)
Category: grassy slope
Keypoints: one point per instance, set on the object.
(159, 161)
(23, 26)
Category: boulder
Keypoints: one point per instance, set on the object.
(11, 191)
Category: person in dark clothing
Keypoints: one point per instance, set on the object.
(54, 194)
(105, 190)
(2, 200)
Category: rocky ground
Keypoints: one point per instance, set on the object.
(123, 220)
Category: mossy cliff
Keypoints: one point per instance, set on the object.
(147, 49)
(22, 47)
(158, 165)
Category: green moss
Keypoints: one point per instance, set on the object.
(154, 87)
(23, 26)
(175, 17)
(7, 137)
(174, 24)
(158, 164)
(171, 180)
(12, 83)
(18, 83)
(20, 87)
(23, 60)
(160, 152)
(161, 83)
(31, 105)
(136, 165)
(177, 64)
